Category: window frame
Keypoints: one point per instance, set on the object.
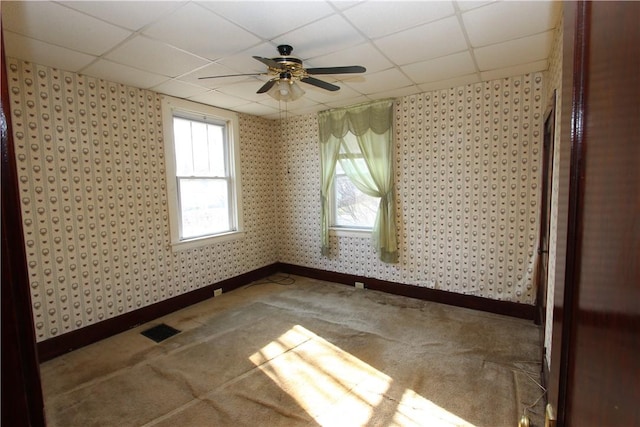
(173, 107)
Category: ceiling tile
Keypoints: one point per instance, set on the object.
(395, 93)
(321, 37)
(134, 16)
(514, 52)
(346, 102)
(449, 83)
(380, 18)
(377, 82)
(320, 95)
(151, 55)
(243, 62)
(428, 41)
(218, 99)
(441, 68)
(364, 54)
(502, 21)
(202, 32)
(268, 19)
(214, 70)
(50, 22)
(179, 89)
(42, 53)
(471, 4)
(245, 90)
(119, 73)
(515, 71)
(256, 109)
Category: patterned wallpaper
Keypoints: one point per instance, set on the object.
(91, 169)
(467, 175)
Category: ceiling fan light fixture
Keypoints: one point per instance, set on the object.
(286, 90)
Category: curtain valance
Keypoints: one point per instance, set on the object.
(376, 116)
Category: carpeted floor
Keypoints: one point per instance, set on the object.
(309, 353)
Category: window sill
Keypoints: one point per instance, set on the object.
(349, 232)
(208, 240)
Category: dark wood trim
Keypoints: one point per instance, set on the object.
(576, 193)
(22, 402)
(522, 311)
(57, 346)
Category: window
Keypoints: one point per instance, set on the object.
(202, 172)
(350, 207)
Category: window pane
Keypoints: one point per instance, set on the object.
(352, 207)
(204, 206)
(216, 150)
(182, 142)
(200, 149)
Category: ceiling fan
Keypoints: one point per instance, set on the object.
(285, 70)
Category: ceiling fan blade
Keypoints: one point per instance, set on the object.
(268, 62)
(268, 85)
(319, 83)
(337, 70)
(232, 75)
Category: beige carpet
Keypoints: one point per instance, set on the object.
(310, 353)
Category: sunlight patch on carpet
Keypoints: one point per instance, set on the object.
(338, 389)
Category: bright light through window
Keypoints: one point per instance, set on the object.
(351, 207)
(338, 389)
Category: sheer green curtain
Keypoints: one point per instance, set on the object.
(363, 136)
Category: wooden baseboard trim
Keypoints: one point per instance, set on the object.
(522, 311)
(62, 344)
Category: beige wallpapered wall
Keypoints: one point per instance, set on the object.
(467, 181)
(93, 189)
(91, 166)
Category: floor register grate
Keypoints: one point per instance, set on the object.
(160, 332)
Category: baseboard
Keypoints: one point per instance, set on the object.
(519, 310)
(59, 345)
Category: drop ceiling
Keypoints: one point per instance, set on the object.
(165, 46)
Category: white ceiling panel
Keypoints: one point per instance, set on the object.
(406, 46)
(515, 71)
(243, 62)
(395, 93)
(449, 83)
(509, 20)
(154, 56)
(219, 99)
(322, 37)
(514, 52)
(256, 109)
(380, 18)
(134, 16)
(215, 70)
(51, 23)
(427, 41)
(378, 82)
(364, 53)
(202, 32)
(124, 74)
(245, 90)
(446, 67)
(269, 19)
(179, 89)
(44, 53)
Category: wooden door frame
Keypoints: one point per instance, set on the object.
(545, 209)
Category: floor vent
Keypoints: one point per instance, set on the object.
(160, 332)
